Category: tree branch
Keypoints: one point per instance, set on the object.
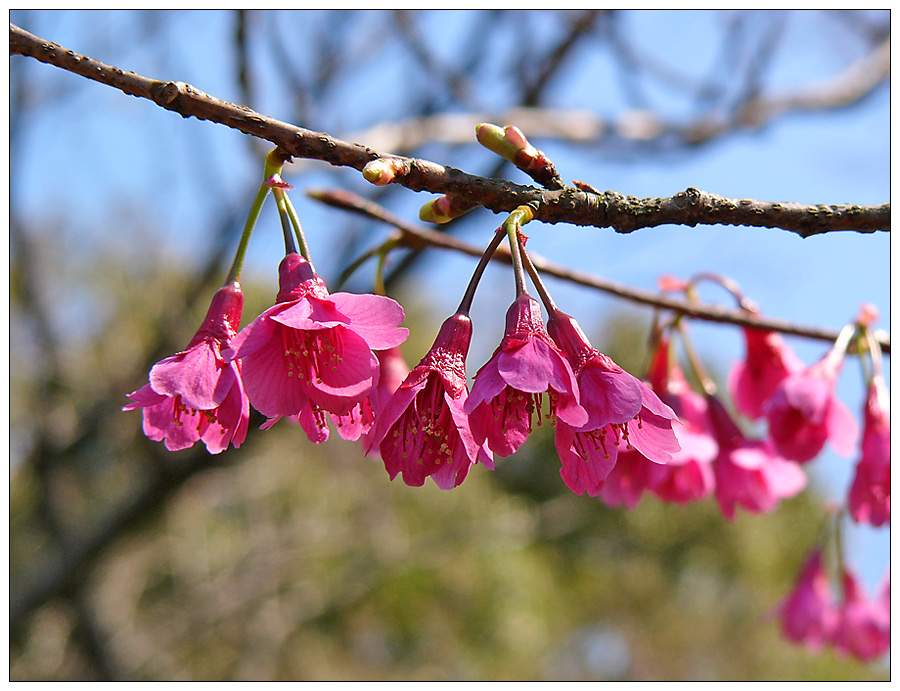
(418, 237)
(583, 206)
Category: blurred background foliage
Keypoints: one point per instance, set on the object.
(284, 560)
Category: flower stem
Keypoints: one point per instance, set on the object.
(706, 383)
(875, 351)
(728, 284)
(235, 273)
(298, 229)
(514, 221)
(839, 349)
(513, 227)
(536, 280)
(289, 246)
(466, 303)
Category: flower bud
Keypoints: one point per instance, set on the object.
(383, 171)
(444, 209)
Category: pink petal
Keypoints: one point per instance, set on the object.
(608, 397)
(374, 317)
(530, 367)
(144, 397)
(195, 375)
(843, 431)
(272, 386)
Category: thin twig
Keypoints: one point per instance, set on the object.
(419, 237)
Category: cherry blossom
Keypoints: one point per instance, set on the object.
(622, 411)
(807, 614)
(803, 413)
(869, 500)
(768, 362)
(196, 395)
(312, 351)
(508, 390)
(423, 431)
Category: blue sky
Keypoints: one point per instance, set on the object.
(101, 152)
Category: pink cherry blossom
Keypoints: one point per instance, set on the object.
(312, 351)
(689, 475)
(623, 485)
(749, 473)
(621, 411)
(359, 422)
(869, 500)
(508, 390)
(803, 413)
(196, 395)
(807, 614)
(423, 431)
(769, 361)
(863, 628)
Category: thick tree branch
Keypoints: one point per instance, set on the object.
(577, 206)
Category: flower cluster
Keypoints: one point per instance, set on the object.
(332, 360)
(815, 615)
(802, 413)
(715, 456)
(434, 427)
(310, 357)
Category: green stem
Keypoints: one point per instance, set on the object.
(543, 293)
(512, 227)
(706, 383)
(298, 229)
(466, 303)
(234, 274)
(289, 246)
(842, 342)
(875, 351)
(727, 283)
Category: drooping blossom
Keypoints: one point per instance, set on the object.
(359, 422)
(863, 627)
(689, 475)
(803, 413)
(869, 500)
(508, 390)
(423, 431)
(196, 395)
(622, 414)
(768, 362)
(807, 615)
(749, 473)
(311, 353)
(624, 484)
